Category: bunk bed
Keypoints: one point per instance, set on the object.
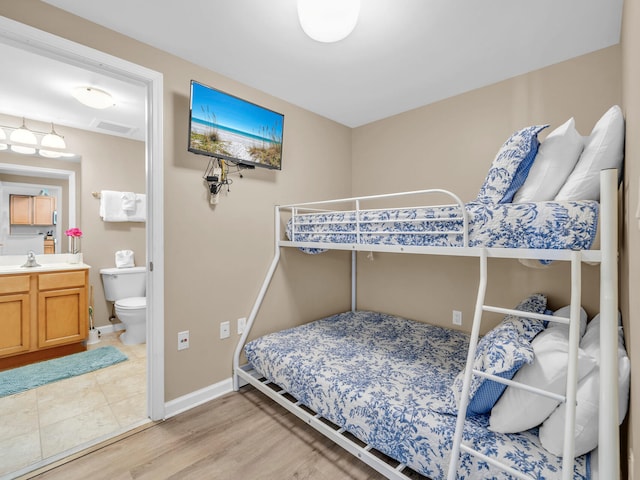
(416, 414)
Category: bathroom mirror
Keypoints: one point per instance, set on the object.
(30, 175)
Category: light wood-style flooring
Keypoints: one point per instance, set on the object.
(242, 435)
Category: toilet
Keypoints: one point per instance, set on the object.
(127, 288)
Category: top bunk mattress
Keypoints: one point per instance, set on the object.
(567, 225)
(387, 380)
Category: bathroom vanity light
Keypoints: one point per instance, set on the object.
(328, 20)
(52, 141)
(93, 97)
(25, 141)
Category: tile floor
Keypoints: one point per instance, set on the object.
(48, 420)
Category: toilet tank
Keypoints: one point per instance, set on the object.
(124, 282)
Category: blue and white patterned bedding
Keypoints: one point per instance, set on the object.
(387, 380)
(542, 225)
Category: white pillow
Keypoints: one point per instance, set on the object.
(603, 149)
(519, 410)
(556, 158)
(566, 313)
(588, 399)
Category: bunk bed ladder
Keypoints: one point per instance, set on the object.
(572, 374)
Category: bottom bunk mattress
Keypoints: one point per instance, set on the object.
(387, 380)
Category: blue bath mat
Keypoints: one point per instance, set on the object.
(31, 376)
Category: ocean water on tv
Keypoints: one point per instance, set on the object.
(203, 124)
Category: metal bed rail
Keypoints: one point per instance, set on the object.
(355, 208)
(364, 452)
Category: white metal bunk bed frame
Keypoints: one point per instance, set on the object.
(606, 256)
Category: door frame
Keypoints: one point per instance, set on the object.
(28, 38)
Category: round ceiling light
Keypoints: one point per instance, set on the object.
(93, 97)
(328, 20)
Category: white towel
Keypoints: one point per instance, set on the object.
(140, 213)
(124, 259)
(111, 206)
(129, 202)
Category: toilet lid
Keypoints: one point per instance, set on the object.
(132, 303)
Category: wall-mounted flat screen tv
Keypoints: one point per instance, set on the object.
(229, 128)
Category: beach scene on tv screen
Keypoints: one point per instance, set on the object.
(228, 126)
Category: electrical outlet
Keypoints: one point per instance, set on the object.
(457, 317)
(183, 340)
(242, 324)
(225, 330)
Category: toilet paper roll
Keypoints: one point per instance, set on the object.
(124, 259)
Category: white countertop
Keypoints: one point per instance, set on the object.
(52, 262)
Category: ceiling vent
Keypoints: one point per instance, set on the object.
(113, 128)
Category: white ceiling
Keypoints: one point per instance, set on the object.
(39, 88)
(403, 54)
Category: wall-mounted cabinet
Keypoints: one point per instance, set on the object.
(32, 210)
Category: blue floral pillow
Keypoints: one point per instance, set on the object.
(501, 352)
(511, 166)
(528, 328)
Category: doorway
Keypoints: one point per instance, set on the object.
(43, 43)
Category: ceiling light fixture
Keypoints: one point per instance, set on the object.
(328, 20)
(93, 97)
(26, 138)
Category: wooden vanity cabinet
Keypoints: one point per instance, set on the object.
(15, 314)
(62, 308)
(42, 315)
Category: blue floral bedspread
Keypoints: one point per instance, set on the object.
(543, 225)
(387, 380)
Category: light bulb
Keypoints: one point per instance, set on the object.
(52, 140)
(25, 137)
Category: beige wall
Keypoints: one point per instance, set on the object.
(107, 163)
(216, 257)
(629, 258)
(451, 144)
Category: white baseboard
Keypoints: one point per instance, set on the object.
(193, 399)
(115, 327)
(190, 400)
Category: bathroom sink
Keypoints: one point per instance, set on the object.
(46, 263)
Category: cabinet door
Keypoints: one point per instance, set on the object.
(15, 314)
(15, 320)
(43, 208)
(62, 316)
(20, 206)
